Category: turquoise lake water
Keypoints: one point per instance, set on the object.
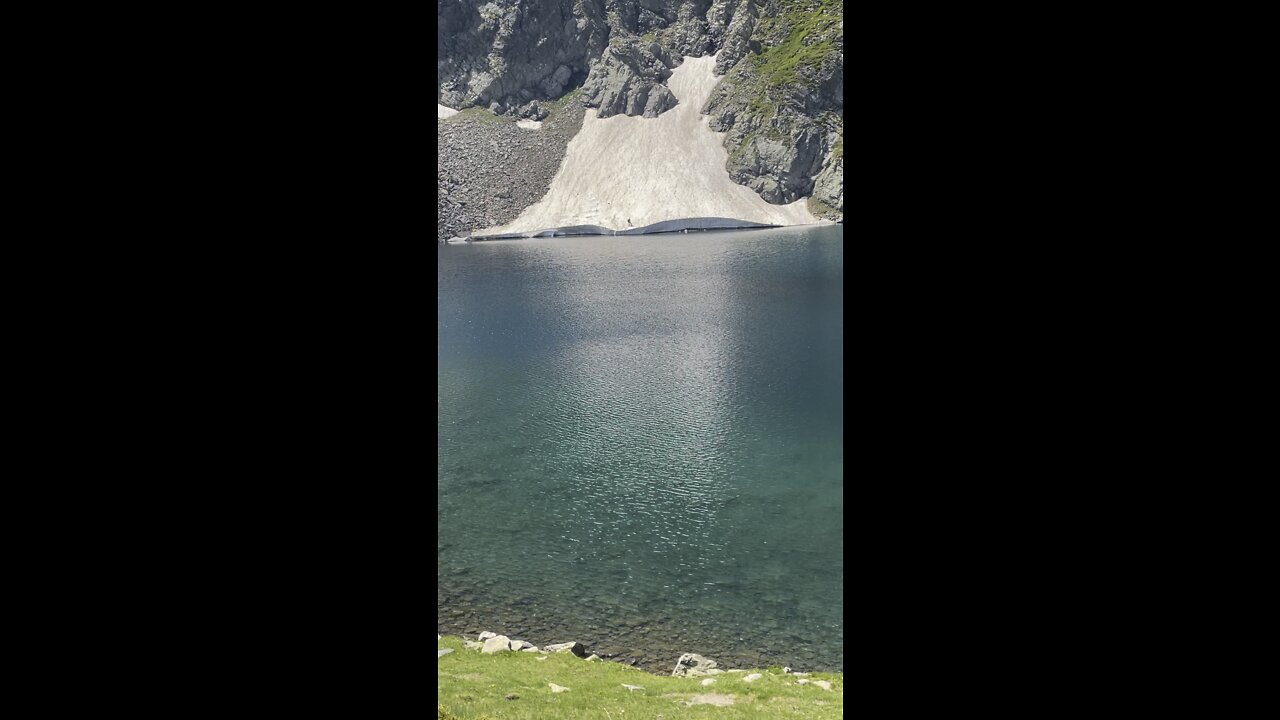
(641, 444)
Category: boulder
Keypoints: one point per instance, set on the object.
(500, 643)
(486, 634)
(693, 665)
(557, 688)
(570, 647)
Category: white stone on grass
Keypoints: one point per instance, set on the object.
(498, 644)
(708, 681)
(822, 684)
(752, 677)
(557, 689)
(569, 647)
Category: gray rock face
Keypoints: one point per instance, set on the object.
(627, 80)
(498, 644)
(829, 186)
(780, 168)
(693, 665)
(730, 24)
(491, 50)
(781, 146)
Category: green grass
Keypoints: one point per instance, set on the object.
(476, 113)
(804, 20)
(472, 686)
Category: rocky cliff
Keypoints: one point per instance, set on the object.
(780, 103)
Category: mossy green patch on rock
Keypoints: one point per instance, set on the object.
(823, 210)
(788, 91)
(809, 40)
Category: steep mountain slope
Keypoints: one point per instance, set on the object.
(780, 103)
(625, 172)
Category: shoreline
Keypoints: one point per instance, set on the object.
(686, 664)
(643, 641)
(666, 227)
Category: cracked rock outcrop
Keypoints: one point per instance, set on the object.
(628, 80)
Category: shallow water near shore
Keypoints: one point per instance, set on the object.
(640, 444)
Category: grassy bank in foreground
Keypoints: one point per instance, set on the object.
(518, 685)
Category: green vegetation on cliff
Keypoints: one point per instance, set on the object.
(809, 26)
